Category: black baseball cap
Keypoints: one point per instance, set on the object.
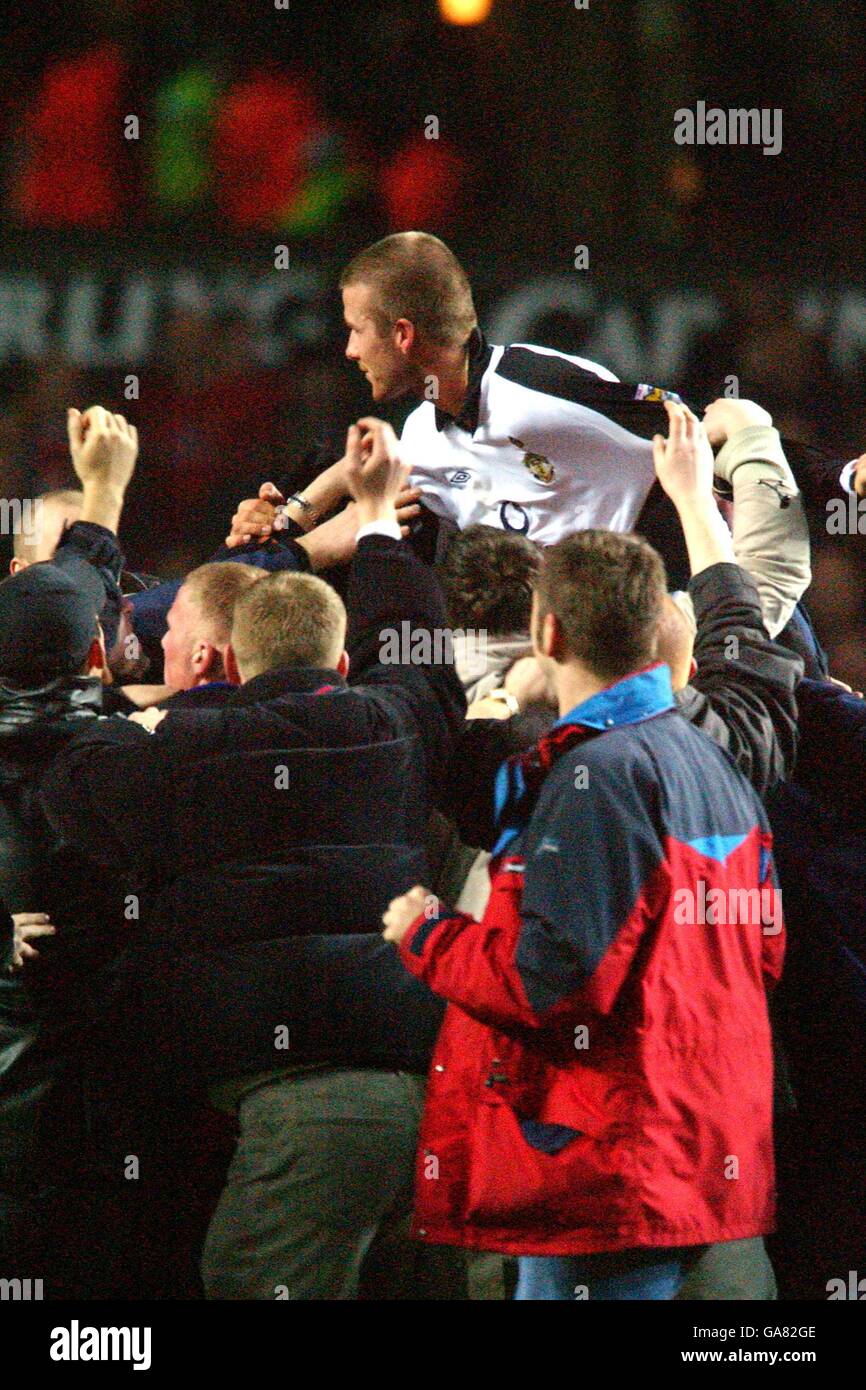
(48, 617)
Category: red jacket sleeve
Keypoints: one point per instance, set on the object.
(472, 964)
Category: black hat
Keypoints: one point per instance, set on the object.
(48, 616)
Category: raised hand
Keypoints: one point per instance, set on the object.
(29, 926)
(254, 518)
(727, 415)
(375, 475)
(684, 461)
(403, 911)
(103, 446)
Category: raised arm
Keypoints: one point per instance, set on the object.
(771, 535)
(398, 639)
(743, 692)
(104, 449)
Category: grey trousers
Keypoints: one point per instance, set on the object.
(731, 1269)
(323, 1168)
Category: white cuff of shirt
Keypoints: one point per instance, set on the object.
(380, 528)
(846, 476)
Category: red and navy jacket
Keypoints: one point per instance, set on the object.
(603, 1077)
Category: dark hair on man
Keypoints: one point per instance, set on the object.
(608, 592)
(415, 276)
(487, 576)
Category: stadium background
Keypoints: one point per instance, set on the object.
(182, 182)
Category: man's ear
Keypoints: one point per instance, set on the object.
(343, 665)
(16, 565)
(232, 670)
(550, 641)
(203, 658)
(693, 669)
(405, 336)
(96, 663)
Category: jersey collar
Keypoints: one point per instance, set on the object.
(480, 353)
(628, 701)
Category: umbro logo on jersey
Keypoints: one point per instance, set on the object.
(460, 478)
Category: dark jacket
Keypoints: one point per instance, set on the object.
(211, 695)
(832, 751)
(818, 827)
(72, 1107)
(742, 695)
(298, 809)
(89, 541)
(40, 1046)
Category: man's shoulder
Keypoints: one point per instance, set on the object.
(612, 766)
(620, 764)
(213, 695)
(544, 370)
(653, 778)
(421, 420)
(291, 719)
(112, 730)
(549, 371)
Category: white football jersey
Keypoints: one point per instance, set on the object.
(528, 452)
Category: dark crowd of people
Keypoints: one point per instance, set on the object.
(449, 888)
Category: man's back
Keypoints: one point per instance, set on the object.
(660, 830)
(631, 928)
(296, 809)
(52, 1075)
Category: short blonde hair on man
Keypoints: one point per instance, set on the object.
(288, 620)
(415, 276)
(215, 589)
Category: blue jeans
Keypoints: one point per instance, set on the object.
(617, 1274)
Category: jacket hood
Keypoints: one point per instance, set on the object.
(34, 722)
(481, 664)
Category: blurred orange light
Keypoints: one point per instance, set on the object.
(465, 11)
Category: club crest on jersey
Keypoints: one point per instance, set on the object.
(539, 466)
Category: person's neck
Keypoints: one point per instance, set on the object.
(574, 684)
(449, 369)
